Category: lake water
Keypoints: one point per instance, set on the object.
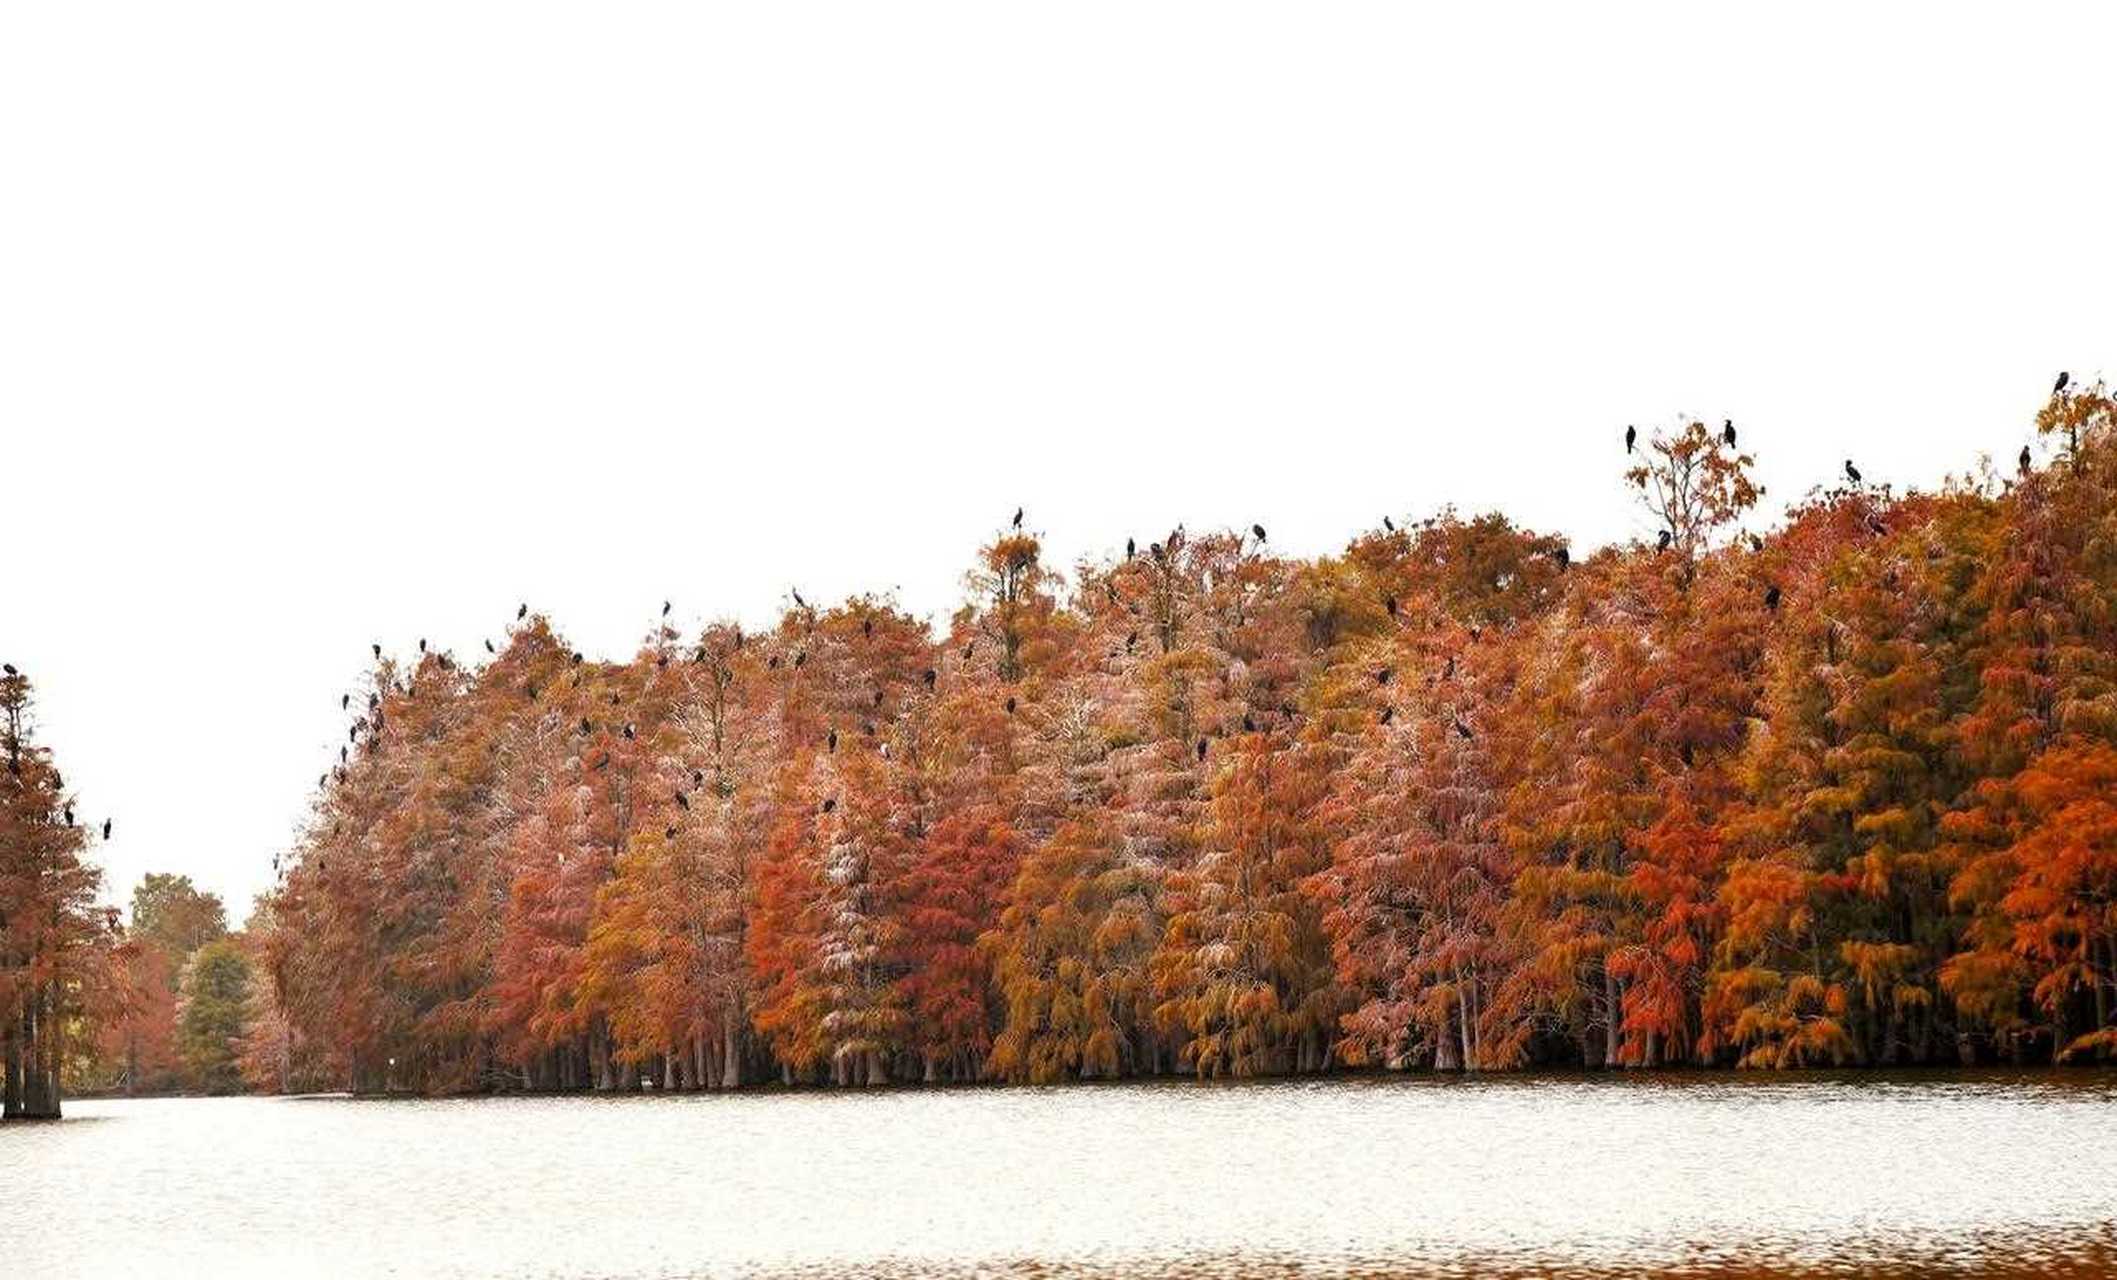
(1691, 1175)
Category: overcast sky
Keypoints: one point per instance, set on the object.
(329, 324)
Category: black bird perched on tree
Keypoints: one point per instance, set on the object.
(422, 644)
(1631, 438)
(1249, 723)
(1389, 524)
(629, 733)
(665, 608)
(1727, 432)
(1201, 748)
(878, 697)
(1771, 597)
(106, 828)
(1131, 641)
(668, 833)
(522, 612)
(585, 726)
(772, 664)
(2025, 459)
(1391, 605)
(344, 700)
(1461, 730)
(801, 657)
(378, 650)
(830, 804)
(1131, 548)
(698, 777)
(1564, 558)
(341, 755)
(1852, 472)
(831, 744)
(489, 648)
(969, 649)
(867, 628)
(1017, 517)
(2058, 387)
(683, 802)
(799, 602)
(69, 815)
(1756, 543)
(1010, 706)
(1388, 714)
(931, 676)
(1258, 529)
(1665, 539)
(1382, 676)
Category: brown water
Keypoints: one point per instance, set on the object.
(1693, 1175)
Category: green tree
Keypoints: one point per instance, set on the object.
(216, 993)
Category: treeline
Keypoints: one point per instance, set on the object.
(1456, 798)
(59, 951)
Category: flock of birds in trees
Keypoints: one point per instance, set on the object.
(58, 781)
(1160, 551)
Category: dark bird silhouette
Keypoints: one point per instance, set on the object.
(2025, 460)
(1010, 706)
(422, 644)
(522, 612)
(830, 804)
(799, 602)
(1852, 472)
(1258, 529)
(683, 802)
(577, 657)
(378, 650)
(773, 663)
(1382, 676)
(1017, 517)
(668, 833)
(1771, 597)
(1389, 524)
(489, 648)
(1388, 714)
(341, 755)
(1201, 748)
(1631, 438)
(9, 667)
(1391, 605)
(867, 628)
(344, 700)
(665, 608)
(1131, 641)
(878, 697)
(585, 726)
(1131, 548)
(969, 649)
(931, 676)
(801, 657)
(662, 662)
(1665, 539)
(1249, 724)
(698, 777)
(831, 743)
(1461, 730)
(69, 815)
(2058, 387)
(629, 732)
(1727, 432)
(1564, 558)
(1756, 543)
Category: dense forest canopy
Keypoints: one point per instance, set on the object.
(1843, 792)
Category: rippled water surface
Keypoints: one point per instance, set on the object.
(1992, 1175)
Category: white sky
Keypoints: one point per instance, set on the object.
(329, 324)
